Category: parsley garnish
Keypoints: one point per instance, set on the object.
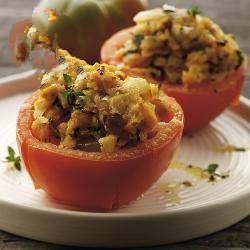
(194, 10)
(138, 39)
(71, 95)
(12, 158)
(67, 78)
(212, 168)
(213, 175)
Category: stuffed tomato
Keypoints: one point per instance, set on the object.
(191, 58)
(93, 138)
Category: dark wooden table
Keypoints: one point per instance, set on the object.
(234, 17)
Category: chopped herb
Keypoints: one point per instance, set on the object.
(212, 168)
(194, 10)
(12, 158)
(70, 95)
(138, 39)
(213, 175)
(168, 8)
(240, 59)
(67, 78)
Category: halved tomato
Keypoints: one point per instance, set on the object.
(201, 103)
(97, 181)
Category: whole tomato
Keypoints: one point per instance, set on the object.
(81, 27)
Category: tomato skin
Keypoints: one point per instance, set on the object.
(200, 106)
(97, 181)
(201, 103)
(72, 27)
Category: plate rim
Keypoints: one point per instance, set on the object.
(244, 103)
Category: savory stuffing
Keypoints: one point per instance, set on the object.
(180, 46)
(95, 107)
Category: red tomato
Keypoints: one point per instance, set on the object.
(97, 181)
(200, 103)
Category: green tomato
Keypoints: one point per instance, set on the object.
(82, 26)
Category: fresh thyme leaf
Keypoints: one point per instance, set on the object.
(70, 96)
(11, 152)
(212, 168)
(194, 10)
(17, 163)
(67, 78)
(213, 175)
(15, 160)
(138, 39)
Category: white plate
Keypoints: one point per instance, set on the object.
(158, 217)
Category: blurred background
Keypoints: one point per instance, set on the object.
(233, 16)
